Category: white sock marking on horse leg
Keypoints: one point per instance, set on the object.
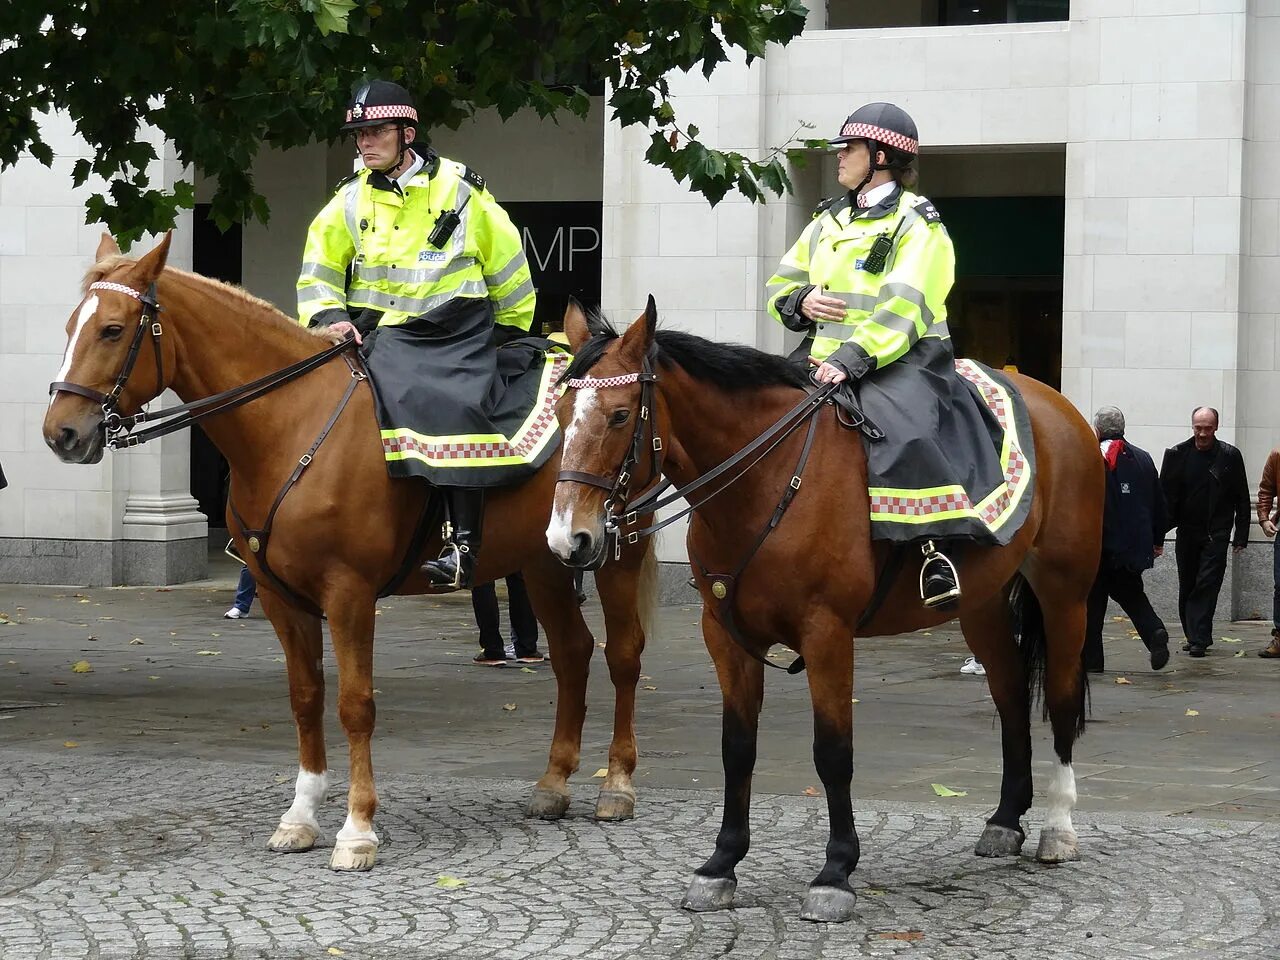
(560, 530)
(350, 833)
(89, 308)
(1061, 797)
(308, 794)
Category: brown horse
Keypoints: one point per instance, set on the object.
(344, 529)
(814, 577)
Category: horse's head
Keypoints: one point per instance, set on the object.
(609, 419)
(105, 343)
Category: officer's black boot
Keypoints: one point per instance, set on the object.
(939, 581)
(457, 561)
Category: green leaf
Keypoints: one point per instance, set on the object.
(942, 791)
(446, 882)
(331, 15)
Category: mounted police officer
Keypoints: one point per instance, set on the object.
(867, 282)
(414, 257)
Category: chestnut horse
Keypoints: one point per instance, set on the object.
(343, 531)
(815, 576)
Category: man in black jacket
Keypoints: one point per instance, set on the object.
(1207, 493)
(1133, 527)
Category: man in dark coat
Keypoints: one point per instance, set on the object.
(1133, 527)
(1207, 493)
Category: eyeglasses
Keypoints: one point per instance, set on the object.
(374, 133)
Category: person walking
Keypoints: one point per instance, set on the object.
(524, 626)
(1267, 520)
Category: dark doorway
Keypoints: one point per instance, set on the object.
(218, 255)
(562, 244)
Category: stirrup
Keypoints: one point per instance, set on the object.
(458, 550)
(932, 555)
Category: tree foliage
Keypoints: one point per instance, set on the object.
(220, 78)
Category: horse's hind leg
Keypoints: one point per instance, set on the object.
(742, 688)
(988, 629)
(570, 644)
(299, 634)
(627, 594)
(1064, 692)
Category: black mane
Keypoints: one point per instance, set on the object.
(730, 366)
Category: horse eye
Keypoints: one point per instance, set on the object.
(619, 417)
(112, 331)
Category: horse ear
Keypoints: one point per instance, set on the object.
(575, 325)
(639, 336)
(147, 270)
(107, 247)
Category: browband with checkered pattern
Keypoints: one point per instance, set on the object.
(872, 132)
(392, 111)
(116, 288)
(591, 383)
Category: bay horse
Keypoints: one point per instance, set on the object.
(343, 530)
(1022, 610)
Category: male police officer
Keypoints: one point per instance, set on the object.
(414, 254)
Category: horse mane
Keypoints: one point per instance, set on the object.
(269, 312)
(732, 367)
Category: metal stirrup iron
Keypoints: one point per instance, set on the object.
(932, 556)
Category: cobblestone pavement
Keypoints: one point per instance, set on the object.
(136, 801)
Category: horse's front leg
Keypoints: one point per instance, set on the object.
(351, 627)
(299, 634)
(828, 652)
(742, 689)
(627, 593)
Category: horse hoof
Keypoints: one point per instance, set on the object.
(355, 855)
(293, 838)
(1057, 845)
(828, 905)
(616, 805)
(998, 841)
(709, 893)
(547, 804)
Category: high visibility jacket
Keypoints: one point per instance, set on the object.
(888, 311)
(380, 235)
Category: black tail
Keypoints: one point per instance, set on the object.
(1028, 631)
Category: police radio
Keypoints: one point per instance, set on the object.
(445, 224)
(875, 260)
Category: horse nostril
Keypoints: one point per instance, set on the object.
(581, 543)
(67, 439)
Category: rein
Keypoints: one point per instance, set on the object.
(119, 427)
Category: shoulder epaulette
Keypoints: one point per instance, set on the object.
(345, 180)
(928, 212)
(473, 178)
(824, 205)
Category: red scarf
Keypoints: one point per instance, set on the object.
(1111, 450)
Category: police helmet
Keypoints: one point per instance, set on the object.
(377, 102)
(885, 123)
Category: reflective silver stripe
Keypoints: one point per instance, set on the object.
(367, 274)
(835, 331)
(515, 296)
(855, 301)
(910, 294)
(516, 264)
(814, 237)
(319, 291)
(788, 272)
(350, 205)
(327, 275)
(908, 218)
(415, 305)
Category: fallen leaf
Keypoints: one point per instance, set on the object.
(648, 687)
(1119, 619)
(643, 677)
(208, 653)
(446, 882)
(1124, 680)
(70, 744)
(135, 641)
(85, 600)
(942, 791)
(1192, 713)
(811, 792)
(81, 666)
(58, 683)
(855, 700)
(106, 618)
(901, 935)
(1231, 640)
(1238, 654)
(215, 634)
(602, 772)
(334, 951)
(153, 678)
(527, 670)
(508, 706)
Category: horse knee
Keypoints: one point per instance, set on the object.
(357, 714)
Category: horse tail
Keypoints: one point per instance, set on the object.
(647, 591)
(1029, 633)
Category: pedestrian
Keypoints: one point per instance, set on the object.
(1133, 527)
(1206, 492)
(246, 590)
(1267, 520)
(524, 626)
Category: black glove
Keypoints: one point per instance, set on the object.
(789, 309)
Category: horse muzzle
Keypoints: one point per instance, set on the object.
(73, 444)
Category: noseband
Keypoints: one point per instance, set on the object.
(112, 421)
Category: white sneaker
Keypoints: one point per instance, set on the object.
(509, 649)
(973, 666)
(235, 613)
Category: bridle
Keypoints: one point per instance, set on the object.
(119, 427)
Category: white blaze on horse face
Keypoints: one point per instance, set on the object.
(308, 794)
(87, 310)
(560, 530)
(1061, 797)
